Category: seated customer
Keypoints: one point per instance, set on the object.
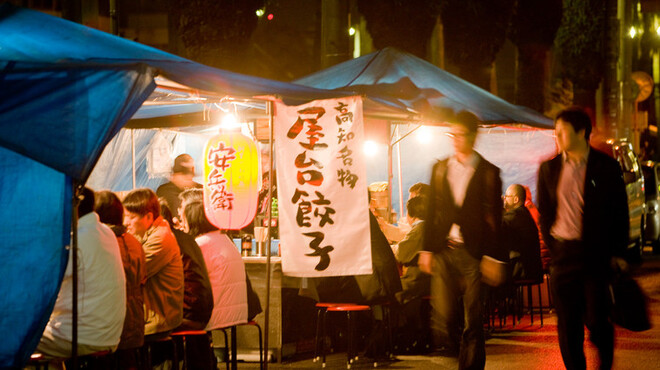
(163, 293)
(111, 212)
(414, 282)
(521, 236)
(225, 267)
(197, 296)
(101, 291)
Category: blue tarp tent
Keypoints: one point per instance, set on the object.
(65, 91)
(399, 79)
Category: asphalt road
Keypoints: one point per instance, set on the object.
(527, 346)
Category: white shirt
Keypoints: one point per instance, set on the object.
(101, 289)
(459, 176)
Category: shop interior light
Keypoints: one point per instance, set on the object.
(424, 134)
(370, 148)
(229, 122)
(351, 31)
(259, 12)
(657, 30)
(632, 32)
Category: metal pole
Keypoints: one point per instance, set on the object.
(389, 175)
(74, 273)
(133, 157)
(269, 216)
(402, 210)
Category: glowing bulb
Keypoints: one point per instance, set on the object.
(351, 31)
(229, 121)
(424, 135)
(270, 16)
(259, 12)
(632, 32)
(370, 148)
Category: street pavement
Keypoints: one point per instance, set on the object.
(532, 346)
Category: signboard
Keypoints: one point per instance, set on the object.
(322, 189)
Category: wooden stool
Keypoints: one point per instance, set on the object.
(351, 352)
(183, 336)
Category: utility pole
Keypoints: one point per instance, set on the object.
(335, 40)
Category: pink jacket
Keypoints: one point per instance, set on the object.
(227, 274)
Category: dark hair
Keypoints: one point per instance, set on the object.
(109, 208)
(467, 120)
(420, 188)
(417, 207)
(578, 118)
(142, 201)
(86, 204)
(198, 224)
(182, 164)
(191, 195)
(165, 211)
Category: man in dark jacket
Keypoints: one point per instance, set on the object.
(521, 236)
(584, 221)
(463, 225)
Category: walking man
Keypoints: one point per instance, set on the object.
(584, 222)
(463, 224)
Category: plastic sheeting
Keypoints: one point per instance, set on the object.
(35, 230)
(518, 154)
(400, 79)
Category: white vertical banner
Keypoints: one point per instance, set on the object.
(322, 188)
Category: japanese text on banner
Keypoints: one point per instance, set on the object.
(324, 225)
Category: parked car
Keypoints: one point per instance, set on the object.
(622, 151)
(651, 172)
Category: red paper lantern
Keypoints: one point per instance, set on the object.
(231, 180)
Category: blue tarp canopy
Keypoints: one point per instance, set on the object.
(399, 79)
(65, 91)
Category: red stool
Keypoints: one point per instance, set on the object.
(351, 352)
(321, 307)
(183, 336)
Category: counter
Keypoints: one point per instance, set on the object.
(292, 318)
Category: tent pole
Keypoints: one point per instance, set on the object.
(268, 231)
(402, 210)
(389, 175)
(133, 157)
(74, 273)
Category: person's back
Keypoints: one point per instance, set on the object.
(101, 293)
(521, 235)
(227, 275)
(134, 263)
(224, 265)
(198, 294)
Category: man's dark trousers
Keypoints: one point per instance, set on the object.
(581, 296)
